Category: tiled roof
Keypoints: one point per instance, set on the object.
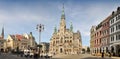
(12, 36)
(19, 37)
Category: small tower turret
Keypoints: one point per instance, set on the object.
(71, 27)
(55, 30)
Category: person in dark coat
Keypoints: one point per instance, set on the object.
(102, 54)
(109, 54)
(36, 55)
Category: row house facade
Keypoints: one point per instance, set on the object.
(92, 37)
(2, 45)
(21, 42)
(105, 37)
(105, 40)
(115, 32)
(98, 35)
(99, 41)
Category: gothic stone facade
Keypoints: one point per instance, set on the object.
(65, 41)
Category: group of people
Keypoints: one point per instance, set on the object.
(36, 55)
(27, 54)
(103, 54)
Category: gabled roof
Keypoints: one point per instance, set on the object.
(17, 37)
(13, 37)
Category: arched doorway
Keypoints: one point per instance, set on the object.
(9, 49)
(112, 49)
(118, 50)
(1, 50)
(97, 50)
(107, 50)
(100, 50)
(61, 50)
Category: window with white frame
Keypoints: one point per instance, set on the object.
(119, 26)
(119, 36)
(116, 27)
(112, 38)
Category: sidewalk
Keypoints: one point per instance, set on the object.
(116, 57)
(106, 57)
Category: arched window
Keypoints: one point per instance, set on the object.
(70, 41)
(61, 50)
(61, 40)
(65, 41)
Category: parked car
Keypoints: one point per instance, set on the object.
(26, 53)
(21, 53)
(31, 54)
(50, 55)
(83, 52)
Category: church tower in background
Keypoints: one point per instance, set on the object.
(2, 34)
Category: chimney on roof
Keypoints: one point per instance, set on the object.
(118, 8)
(113, 13)
(30, 33)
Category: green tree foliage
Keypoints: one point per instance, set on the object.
(88, 49)
(40, 46)
(83, 49)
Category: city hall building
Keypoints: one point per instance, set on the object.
(64, 40)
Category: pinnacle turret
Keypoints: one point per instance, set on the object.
(71, 27)
(55, 29)
(63, 13)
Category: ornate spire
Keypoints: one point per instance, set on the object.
(2, 34)
(62, 22)
(71, 27)
(63, 13)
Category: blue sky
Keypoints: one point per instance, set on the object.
(22, 16)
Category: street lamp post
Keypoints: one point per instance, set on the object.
(40, 28)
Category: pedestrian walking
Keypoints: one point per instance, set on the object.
(102, 55)
(109, 54)
(36, 55)
(119, 54)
